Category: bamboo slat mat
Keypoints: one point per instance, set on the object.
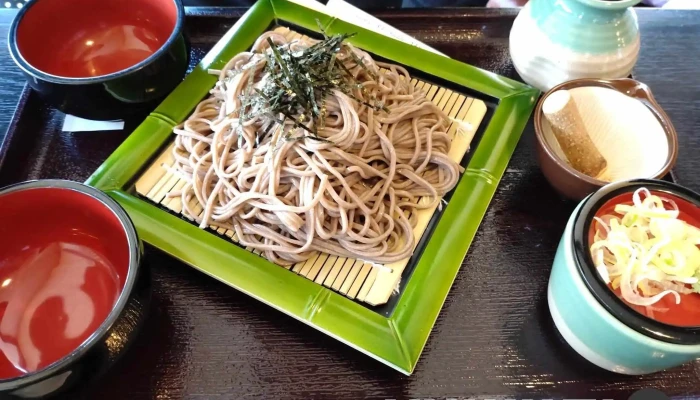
(356, 279)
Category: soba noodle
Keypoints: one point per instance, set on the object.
(351, 195)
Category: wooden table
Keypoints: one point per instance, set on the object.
(494, 336)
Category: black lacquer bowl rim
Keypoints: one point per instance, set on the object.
(124, 297)
(595, 284)
(37, 73)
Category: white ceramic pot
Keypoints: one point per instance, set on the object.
(554, 41)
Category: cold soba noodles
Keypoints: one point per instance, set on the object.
(311, 146)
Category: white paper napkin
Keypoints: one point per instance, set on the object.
(75, 124)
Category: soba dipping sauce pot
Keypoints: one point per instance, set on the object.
(554, 41)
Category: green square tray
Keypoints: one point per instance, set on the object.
(397, 339)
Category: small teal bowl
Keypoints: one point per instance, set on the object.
(592, 319)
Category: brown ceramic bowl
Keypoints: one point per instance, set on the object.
(574, 184)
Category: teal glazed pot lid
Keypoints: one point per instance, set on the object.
(611, 4)
(684, 335)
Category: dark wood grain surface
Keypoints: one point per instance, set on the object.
(494, 337)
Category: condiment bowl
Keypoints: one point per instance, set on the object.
(589, 315)
(626, 124)
(101, 59)
(73, 289)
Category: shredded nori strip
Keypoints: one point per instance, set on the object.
(298, 83)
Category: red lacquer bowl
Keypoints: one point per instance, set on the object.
(73, 292)
(687, 313)
(101, 59)
(677, 326)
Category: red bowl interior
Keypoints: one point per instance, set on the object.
(88, 38)
(64, 258)
(687, 313)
